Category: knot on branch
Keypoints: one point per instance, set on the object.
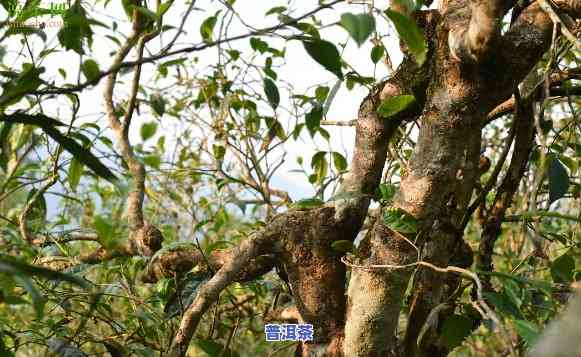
(147, 240)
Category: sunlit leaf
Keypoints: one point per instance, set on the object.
(400, 221)
(207, 28)
(308, 203)
(393, 105)
(411, 34)
(148, 130)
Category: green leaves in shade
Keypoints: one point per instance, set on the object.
(359, 26)
(313, 119)
(393, 105)
(410, 33)
(527, 331)
(326, 54)
(563, 268)
(90, 69)
(189, 289)
(400, 221)
(387, 191)
(37, 213)
(22, 273)
(455, 329)
(10, 265)
(148, 130)
(377, 53)
(339, 161)
(215, 349)
(157, 103)
(271, 92)
(504, 304)
(77, 29)
(342, 246)
(558, 179)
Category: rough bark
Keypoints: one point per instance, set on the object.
(463, 89)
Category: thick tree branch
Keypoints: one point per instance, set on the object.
(209, 292)
(471, 38)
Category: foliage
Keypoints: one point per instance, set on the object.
(218, 123)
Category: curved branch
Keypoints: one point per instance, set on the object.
(208, 293)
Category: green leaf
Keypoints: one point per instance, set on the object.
(105, 231)
(308, 203)
(38, 301)
(25, 82)
(25, 30)
(77, 29)
(455, 329)
(152, 160)
(320, 165)
(258, 45)
(563, 268)
(411, 34)
(157, 103)
(146, 12)
(90, 69)
(75, 172)
(189, 285)
(163, 8)
(276, 10)
(342, 246)
(387, 191)
(527, 331)
(558, 180)
(393, 105)
(313, 119)
(80, 153)
(219, 152)
(326, 54)
(339, 161)
(207, 28)
(503, 303)
(37, 213)
(271, 92)
(377, 53)
(359, 26)
(10, 265)
(400, 221)
(211, 348)
(214, 349)
(148, 130)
